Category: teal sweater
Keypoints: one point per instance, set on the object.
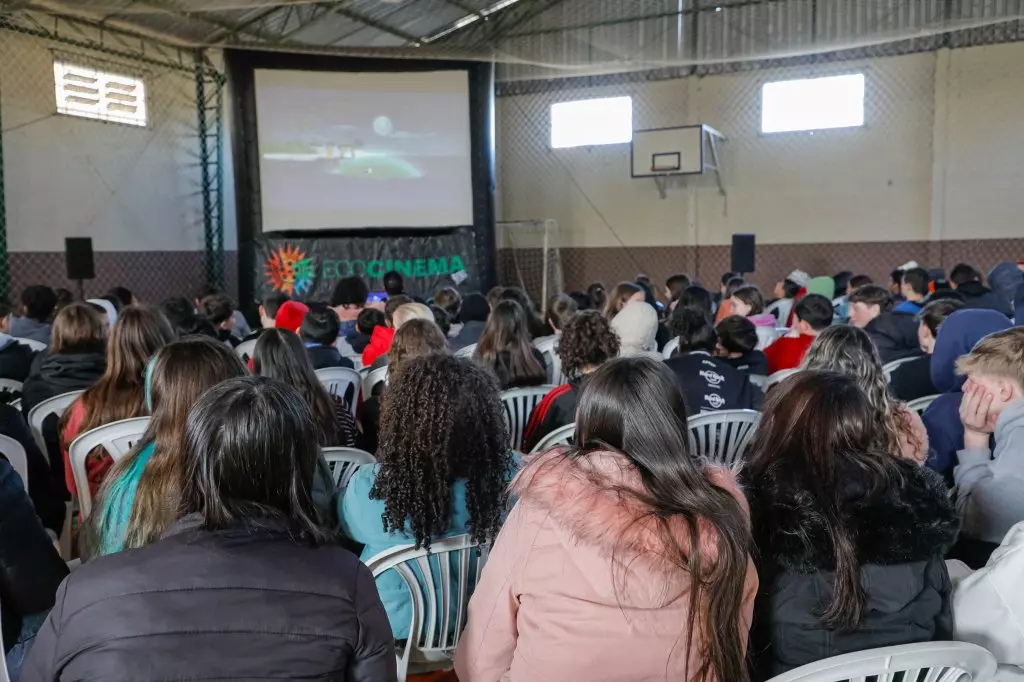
(116, 507)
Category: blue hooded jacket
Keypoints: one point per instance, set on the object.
(957, 336)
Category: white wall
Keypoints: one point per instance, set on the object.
(941, 156)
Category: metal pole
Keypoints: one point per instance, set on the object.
(5, 271)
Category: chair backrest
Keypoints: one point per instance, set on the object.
(781, 375)
(563, 435)
(922, 662)
(342, 382)
(37, 346)
(343, 463)
(890, 367)
(548, 347)
(723, 437)
(519, 404)
(466, 351)
(16, 404)
(372, 378)
(117, 438)
(921, 404)
(4, 675)
(759, 380)
(15, 454)
(55, 405)
(10, 386)
(670, 348)
(439, 581)
(245, 349)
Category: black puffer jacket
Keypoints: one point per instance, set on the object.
(901, 535)
(15, 359)
(895, 336)
(30, 568)
(240, 604)
(977, 295)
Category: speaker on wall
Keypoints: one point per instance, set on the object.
(78, 258)
(743, 248)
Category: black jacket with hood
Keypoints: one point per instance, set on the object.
(977, 295)
(894, 335)
(901, 533)
(15, 359)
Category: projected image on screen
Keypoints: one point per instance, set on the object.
(363, 150)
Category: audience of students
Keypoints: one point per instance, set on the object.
(473, 315)
(914, 288)
(37, 305)
(290, 316)
(674, 288)
(245, 582)
(182, 315)
(449, 300)
(319, 332)
(966, 281)
(348, 300)
(785, 292)
(15, 358)
(637, 328)
(848, 350)
(381, 336)
(269, 308)
(813, 314)
(623, 294)
(596, 573)
(850, 538)
(748, 302)
(913, 379)
(394, 285)
(696, 297)
(737, 345)
(730, 283)
(505, 348)
(586, 343)
(561, 309)
(442, 468)
(708, 383)
(894, 333)
(598, 295)
(1007, 281)
(536, 326)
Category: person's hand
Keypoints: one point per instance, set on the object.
(976, 409)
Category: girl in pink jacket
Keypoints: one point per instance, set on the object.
(595, 574)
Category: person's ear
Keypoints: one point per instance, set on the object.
(263, 312)
(1006, 390)
(876, 310)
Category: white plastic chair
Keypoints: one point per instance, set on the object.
(923, 662)
(781, 375)
(16, 404)
(117, 438)
(4, 675)
(37, 346)
(759, 380)
(10, 385)
(919, 405)
(55, 405)
(890, 367)
(245, 349)
(343, 463)
(670, 348)
(438, 613)
(723, 437)
(466, 351)
(563, 435)
(372, 379)
(548, 347)
(519, 404)
(15, 454)
(342, 382)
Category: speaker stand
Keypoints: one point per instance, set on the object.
(81, 290)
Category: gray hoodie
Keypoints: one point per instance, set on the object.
(991, 484)
(27, 328)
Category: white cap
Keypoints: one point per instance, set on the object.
(909, 265)
(799, 277)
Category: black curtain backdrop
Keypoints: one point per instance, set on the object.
(306, 265)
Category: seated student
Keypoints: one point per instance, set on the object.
(536, 326)
(598, 295)
(747, 302)
(416, 338)
(505, 349)
(449, 300)
(442, 468)
(957, 336)
(124, 296)
(269, 308)
(729, 287)
(44, 488)
(708, 383)
(785, 293)
(15, 358)
(737, 345)
(1007, 281)
(473, 314)
(279, 354)
(594, 574)
(915, 289)
(813, 315)
(220, 312)
(561, 309)
(402, 314)
(990, 483)
(30, 568)
(380, 338)
(239, 325)
(139, 498)
(37, 306)
(441, 319)
(622, 295)
(349, 300)
(394, 285)
(637, 327)
(848, 350)
(246, 583)
(319, 331)
(587, 342)
(966, 280)
(494, 295)
(850, 538)
(696, 297)
(368, 320)
(140, 332)
(290, 316)
(674, 288)
(913, 379)
(183, 317)
(582, 300)
(842, 304)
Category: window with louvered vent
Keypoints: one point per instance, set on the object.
(101, 95)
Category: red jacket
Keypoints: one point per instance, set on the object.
(380, 344)
(787, 352)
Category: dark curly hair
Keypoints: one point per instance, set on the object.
(587, 340)
(441, 421)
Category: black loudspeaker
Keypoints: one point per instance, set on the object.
(743, 253)
(78, 258)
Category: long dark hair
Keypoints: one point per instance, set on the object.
(816, 426)
(505, 347)
(441, 420)
(279, 354)
(251, 456)
(633, 406)
(534, 324)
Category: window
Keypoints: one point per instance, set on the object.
(87, 92)
(592, 121)
(813, 104)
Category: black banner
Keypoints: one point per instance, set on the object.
(308, 269)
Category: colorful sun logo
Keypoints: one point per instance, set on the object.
(289, 270)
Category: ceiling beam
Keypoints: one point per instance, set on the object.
(511, 19)
(465, 8)
(380, 26)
